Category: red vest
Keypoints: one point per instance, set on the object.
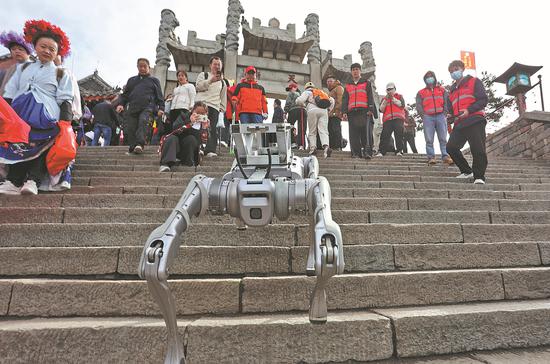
(432, 100)
(392, 111)
(463, 96)
(358, 98)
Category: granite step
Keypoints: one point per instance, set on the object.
(201, 261)
(135, 234)
(39, 297)
(158, 215)
(239, 339)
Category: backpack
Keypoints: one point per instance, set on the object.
(322, 100)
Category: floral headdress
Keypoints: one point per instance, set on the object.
(9, 39)
(35, 29)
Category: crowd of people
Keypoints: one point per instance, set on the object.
(186, 123)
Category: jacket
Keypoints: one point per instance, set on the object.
(349, 102)
(184, 97)
(104, 113)
(213, 94)
(250, 98)
(142, 92)
(393, 108)
(468, 94)
(431, 101)
(337, 93)
(290, 102)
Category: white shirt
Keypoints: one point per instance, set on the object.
(184, 97)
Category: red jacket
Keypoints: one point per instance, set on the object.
(250, 98)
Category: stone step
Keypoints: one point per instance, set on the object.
(324, 167)
(198, 261)
(338, 203)
(391, 175)
(448, 329)
(36, 297)
(135, 234)
(158, 215)
(239, 339)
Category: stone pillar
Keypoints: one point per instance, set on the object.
(230, 65)
(168, 22)
(312, 29)
(369, 65)
(232, 25)
(520, 102)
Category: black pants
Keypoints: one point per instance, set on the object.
(136, 127)
(212, 143)
(226, 132)
(32, 170)
(184, 147)
(335, 132)
(409, 138)
(475, 136)
(394, 126)
(360, 133)
(298, 118)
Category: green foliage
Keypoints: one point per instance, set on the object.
(494, 109)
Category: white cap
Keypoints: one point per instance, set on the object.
(390, 85)
(309, 85)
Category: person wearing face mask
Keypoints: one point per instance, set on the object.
(432, 108)
(468, 99)
(393, 108)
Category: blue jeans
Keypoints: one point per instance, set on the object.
(102, 129)
(435, 124)
(250, 118)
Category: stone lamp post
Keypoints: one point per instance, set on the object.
(517, 79)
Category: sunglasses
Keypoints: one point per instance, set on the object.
(389, 89)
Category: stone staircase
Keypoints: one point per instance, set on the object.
(435, 266)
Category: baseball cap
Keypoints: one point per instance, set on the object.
(250, 69)
(309, 85)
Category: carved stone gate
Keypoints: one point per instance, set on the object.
(276, 53)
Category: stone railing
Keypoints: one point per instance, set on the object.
(528, 136)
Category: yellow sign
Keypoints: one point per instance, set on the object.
(469, 59)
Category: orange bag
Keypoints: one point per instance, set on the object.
(12, 128)
(63, 150)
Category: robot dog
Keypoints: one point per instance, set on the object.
(265, 181)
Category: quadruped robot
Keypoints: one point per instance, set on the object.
(265, 181)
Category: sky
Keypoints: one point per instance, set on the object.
(409, 37)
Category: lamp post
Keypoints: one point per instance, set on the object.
(517, 79)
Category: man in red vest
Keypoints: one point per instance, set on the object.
(393, 108)
(432, 108)
(469, 99)
(358, 108)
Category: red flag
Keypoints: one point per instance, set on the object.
(469, 59)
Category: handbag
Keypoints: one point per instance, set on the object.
(12, 128)
(63, 150)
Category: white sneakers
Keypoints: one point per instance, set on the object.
(211, 154)
(223, 144)
(8, 188)
(379, 154)
(399, 154)
(29, 188)
(164, 169)
(465, 175)
(479, 181)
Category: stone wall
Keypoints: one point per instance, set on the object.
(528, 136)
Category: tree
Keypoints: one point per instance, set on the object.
(496, 105)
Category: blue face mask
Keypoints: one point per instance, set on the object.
(456, 75)
(430, 81)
